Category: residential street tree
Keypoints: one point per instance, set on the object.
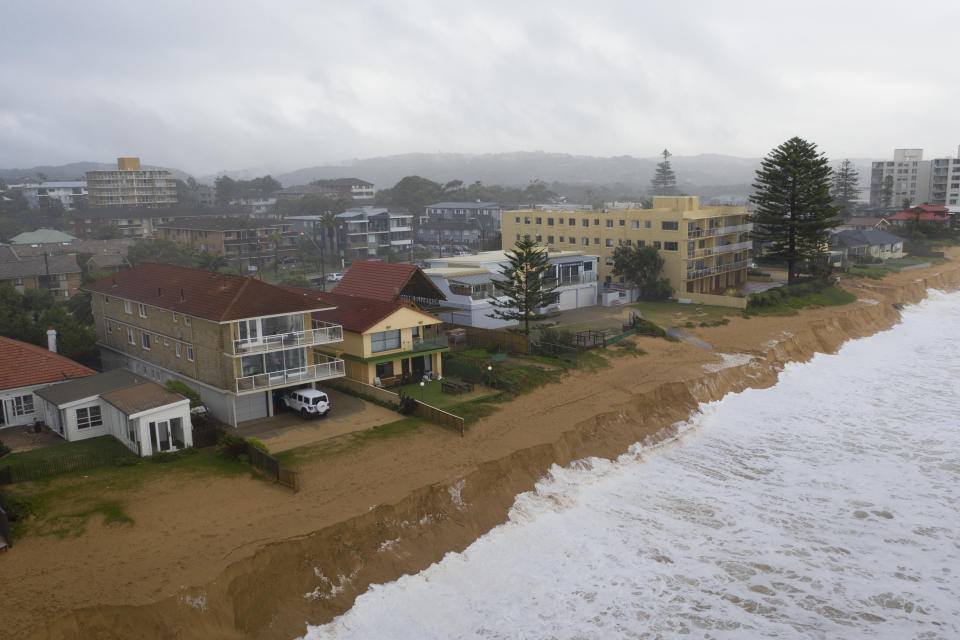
(641, 268)
(886, 195)
(525, 288)
(795, 211)
(664, 181)
(846, 187)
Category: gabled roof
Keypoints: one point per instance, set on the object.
(223, 224)
(41, 236)
(861, 237)
(141, 397)
(23, 364)
(933, 208)
(923, 216)
(387, 281)
(355, 313)
(37, 266)
(66, 392)
(464, 205)
(138, 213)
(215, 296)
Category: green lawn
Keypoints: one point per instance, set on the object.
(831, 296)
(664, 313)
(434, 396)
(94, 452)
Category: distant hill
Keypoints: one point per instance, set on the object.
(72, 171)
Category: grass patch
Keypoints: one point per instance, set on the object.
(863, 272)
(294, 458)
(787, 300)
(626, 347)
(665, 313)
(67, 457)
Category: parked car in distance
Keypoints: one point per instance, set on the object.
(334, 277)
(309, 403)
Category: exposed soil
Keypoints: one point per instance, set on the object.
(239, 558)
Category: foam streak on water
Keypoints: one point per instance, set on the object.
(824, 507)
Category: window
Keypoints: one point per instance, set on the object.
(549, 222)
(145, 341)
(572, 222)
(596, 241)
(646, 224)
(623, 223)
(190, 353)
(131, 338)
(609, 224)
(177, 345)
(127, 306)
(656, 244)
(627, 242)
(166, 342)
(526, 220)
(142, 310)
(385, 340)
(669, 246)
(88, 417)
(539, 220)
(549, 239)
(537, 238)
(109, 327)
(670, 225)
(609, 242)
(560, 240)
(634, 224)
(585, 222)
(518, 236)
(609, 261)
(106, 299)
(641, 243)
(585, 242)
(596, 222)
(22, 405)
(174, 316)
(518, 219)
(186, 321)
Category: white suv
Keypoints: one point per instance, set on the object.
(334, 277)
(308, 402)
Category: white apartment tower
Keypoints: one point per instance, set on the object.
(912, 178)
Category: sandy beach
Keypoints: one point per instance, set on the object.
(219, 557)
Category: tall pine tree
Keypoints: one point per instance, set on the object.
(664, 181)
(795, 211)
(846, 180)
(525, 287)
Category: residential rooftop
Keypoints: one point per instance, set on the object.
(387, 281)
(42, 236)
(221, 224)
(23, 364)
(136, 213)
(218, 297)
(142, 397)
(60, 394)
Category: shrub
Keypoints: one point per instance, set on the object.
(689, 325)
(407, 405)
(556, 336)
(126, 461)
(231, 446)
(4, 449)
(163, 456)
(256, 444)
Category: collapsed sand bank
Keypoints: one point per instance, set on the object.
(237, 558)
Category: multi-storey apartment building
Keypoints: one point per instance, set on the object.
(248, 244)
(58, 274)
(129, 185)
(913, 179)
(462, 222)
(239, 342)
(140, 222)
(706, 250)
(367, 232)
(40, 194)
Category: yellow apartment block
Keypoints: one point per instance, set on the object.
(706, 250)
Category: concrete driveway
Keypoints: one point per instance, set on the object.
(287, 430)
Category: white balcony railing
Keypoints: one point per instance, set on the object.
(331, 369)
(726, 248)
(289, 340)
(719, 231)
(723, 268)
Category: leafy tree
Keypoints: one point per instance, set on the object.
(537, 191)
(413, 193)
(641, 267)
(886, 194)
(163, 252)
(226, 190)
(8, 229)
(108, 232)
(845, 187)
(664, 181)
(15, 321)
(79, 307)
(74, 340)
(794, 208)
(525, 288)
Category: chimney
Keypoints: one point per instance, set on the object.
(52, 339)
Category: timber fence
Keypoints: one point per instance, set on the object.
(270, 466)
(506, 341)
(25, 471)
(5, 539)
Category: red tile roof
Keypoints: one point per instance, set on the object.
(214, 296)
(923, 216)
(23, 364)
(355, 313)
(937, 208)
(387, 281)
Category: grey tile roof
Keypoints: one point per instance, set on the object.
(38, 266)
(62, 393)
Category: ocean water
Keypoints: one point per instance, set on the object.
(824, 507)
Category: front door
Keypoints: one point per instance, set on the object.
(160, 436)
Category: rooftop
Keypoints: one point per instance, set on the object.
(464, 205)
(66, 392)
(387, 281)
(141, 397)
(13, 266)
(354, 313)
(41, 236)
(221, 224)
(23, 364)
(214, 296)
(121, 213)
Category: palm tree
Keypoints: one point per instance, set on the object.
(328, 222)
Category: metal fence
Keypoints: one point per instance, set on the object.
(505, 340)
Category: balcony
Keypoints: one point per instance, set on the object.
(719, 231)
(723, 268)
(309, 373)
(289, 340)
(726, 248)
(429, 343)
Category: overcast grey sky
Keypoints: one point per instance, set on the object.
(208, 85)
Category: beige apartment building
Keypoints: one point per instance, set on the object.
(706, 250)
(239, 342)
(131, 186)
(248, 244)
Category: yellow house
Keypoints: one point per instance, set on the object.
(706, 250)
(386, 341)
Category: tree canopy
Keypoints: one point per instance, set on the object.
(845, 188)
(641, 268)
(525, 287)
(795, 211)
(664, 181)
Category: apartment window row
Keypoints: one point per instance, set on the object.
(147, 339)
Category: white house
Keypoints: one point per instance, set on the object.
(467, 282)
(24, 368)
(138, 412)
